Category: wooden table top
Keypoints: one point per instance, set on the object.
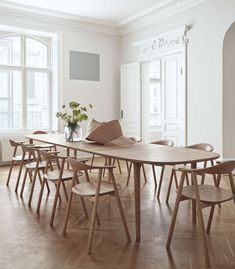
(139, 152)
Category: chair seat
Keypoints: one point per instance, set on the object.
(33, 165)
(89, 188)
(208, 193)
(44, 146)
(54, 175)
(20, 157)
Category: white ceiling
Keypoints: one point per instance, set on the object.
(113, 12)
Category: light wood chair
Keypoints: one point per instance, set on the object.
(16, 159)
(200, 146)
(43, 146)
(92, 191)
(33, 168)
(203, 196)
(164, 142)
(57, 176)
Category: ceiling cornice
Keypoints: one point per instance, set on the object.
(166, 9)
(156, 13)
(58, 18)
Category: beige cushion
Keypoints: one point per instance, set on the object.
(92, 125)
(110, 133)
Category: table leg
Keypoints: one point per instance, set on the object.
(194, 208)
(137, 167)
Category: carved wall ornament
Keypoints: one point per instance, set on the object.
(162, 44)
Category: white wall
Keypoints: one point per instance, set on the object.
(229, 94)
(209, 22)
(104, 94)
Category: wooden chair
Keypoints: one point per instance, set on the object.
(57, 176)
(43, 146)
(201, 146)
(32, 168)
(92, 191)
(203, 196)
(165, 142)
(16, 159)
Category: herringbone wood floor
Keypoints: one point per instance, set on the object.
(28, 242)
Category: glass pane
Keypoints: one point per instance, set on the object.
(36, 54)
(37, 100)
(155, 70)
(10, 99)
(155, 104)
(10, 51)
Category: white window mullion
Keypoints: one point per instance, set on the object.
(24, 84)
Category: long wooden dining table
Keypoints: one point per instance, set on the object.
(138, 154)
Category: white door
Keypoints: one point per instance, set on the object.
(130, 99)
(174, 99)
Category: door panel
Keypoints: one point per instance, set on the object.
(173, 100)
(130, 99)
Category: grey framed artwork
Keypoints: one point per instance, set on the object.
(84, 66)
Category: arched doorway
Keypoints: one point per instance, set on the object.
(229, 94)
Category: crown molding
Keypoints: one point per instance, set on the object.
(57, 18)
(155, 14)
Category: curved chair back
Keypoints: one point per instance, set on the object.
(219, 169)
(202, 146)
(165, 142)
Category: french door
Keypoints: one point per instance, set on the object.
(153, 99)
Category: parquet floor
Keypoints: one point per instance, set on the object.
(28, 242)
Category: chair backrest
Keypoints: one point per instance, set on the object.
(15, 143)
(29, 149)
(202, 146)
(165, 142)
(80, 166)
(40, 132)
(219, 169)
(48, 156)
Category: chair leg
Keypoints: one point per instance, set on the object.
(204, 240)
(119, 166)
(32, 188)
(154, 176)
(65, 191)
(210, 219)
(55, 203)
(40, 195)
(67, 212)
(169, 185)
(94, 212)
(143, 169)
(200, 220)
(23, 184)
(160, 181)
(129, 174)
(19, 175)
(9, 173)
(174, 216)
(120, 207)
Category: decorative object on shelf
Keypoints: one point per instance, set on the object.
(77, 114)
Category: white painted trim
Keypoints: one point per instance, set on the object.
(150, 15)
(57, 18)
(167, 9)
(162, 44)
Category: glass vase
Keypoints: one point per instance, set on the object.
(73, 133)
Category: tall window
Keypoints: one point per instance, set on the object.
(25, 82)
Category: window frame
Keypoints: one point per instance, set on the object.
(23, 69)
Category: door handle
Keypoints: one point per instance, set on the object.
(121, 114)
